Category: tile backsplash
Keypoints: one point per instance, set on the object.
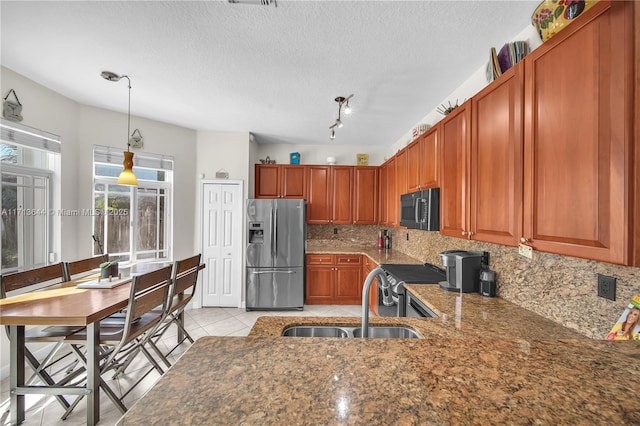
(560, 288)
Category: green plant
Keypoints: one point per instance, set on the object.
(106, 265)
(446, 110)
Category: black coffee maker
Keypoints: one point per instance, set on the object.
(463, 269)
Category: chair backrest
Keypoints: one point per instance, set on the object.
(147, 292)
(32, 280)
(185, 277)
(74, 268)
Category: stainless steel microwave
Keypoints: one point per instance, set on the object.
(421, 210)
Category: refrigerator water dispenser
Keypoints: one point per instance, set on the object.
(256, 233)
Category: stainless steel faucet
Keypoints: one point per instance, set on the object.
(365, 296)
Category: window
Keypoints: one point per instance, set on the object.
(132, 223)
(29, 161)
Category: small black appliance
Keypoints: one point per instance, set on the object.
(488, 283)
(463, 270)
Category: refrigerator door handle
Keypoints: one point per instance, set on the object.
(275, 234)
(272, 272)
(272, 235)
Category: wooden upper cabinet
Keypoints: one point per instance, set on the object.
(330, 194)
(430, 160)
(423, 162)
(496, 161)
(414, 164)
(280, 181)
(455, 150)
(393, 198)
(365, 188)
(342, 194)
(293, 182)
(401, 173)
(318, 196)
(578, 169)
(267, 181)
(383, 195)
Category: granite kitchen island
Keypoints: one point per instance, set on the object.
(263, 380)
(482, 361)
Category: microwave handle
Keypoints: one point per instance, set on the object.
(416, 210)
(419, 205)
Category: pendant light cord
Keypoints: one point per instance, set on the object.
(128, 113)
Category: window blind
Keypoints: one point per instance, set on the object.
(109, 155)
(18, 134)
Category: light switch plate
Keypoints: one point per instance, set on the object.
(525, 250)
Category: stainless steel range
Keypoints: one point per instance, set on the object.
(392, 300)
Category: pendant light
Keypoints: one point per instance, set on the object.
(127, 177)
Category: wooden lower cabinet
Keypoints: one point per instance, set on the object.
(369, 265)
(334, 279)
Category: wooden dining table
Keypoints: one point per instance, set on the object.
(64, 306)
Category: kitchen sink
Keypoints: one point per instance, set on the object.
(350, 332)
(389, 333)
(315, 331)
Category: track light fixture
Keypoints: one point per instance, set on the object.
(342, 102)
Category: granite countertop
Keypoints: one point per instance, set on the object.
(276, 380)
(481, 361)
(377, 255)
(459, 316)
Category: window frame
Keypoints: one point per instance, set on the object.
(167, 185)
(29, 141)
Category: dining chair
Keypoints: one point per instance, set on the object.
(28, 283)
(148, 291)
(184, 278)
(82, 268)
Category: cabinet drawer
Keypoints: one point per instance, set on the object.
(319, 259)
(348, 259)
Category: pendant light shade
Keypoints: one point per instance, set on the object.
(127, 177)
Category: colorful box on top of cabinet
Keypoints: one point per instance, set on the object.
(295, 157)
(363, 159)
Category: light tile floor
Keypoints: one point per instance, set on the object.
(45, 411)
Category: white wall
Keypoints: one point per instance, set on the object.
(476, 82)
(101, 127)
(79, 128)
(47, 110)
(317, 154)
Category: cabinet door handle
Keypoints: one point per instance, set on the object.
(524, 240)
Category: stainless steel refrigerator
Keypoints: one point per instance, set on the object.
(276, 236)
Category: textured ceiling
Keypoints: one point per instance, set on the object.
(272, 71)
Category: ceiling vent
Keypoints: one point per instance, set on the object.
(255, 2)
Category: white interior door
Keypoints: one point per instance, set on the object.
(222, 222)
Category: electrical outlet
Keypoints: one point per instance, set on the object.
(606, 287)
(335, 231)
(525, 250)
(407, 236)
